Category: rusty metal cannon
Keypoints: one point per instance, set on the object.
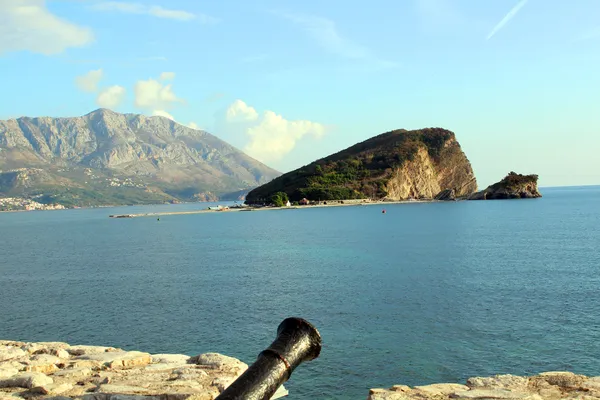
(297, 341)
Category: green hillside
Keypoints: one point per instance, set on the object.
(360, 171)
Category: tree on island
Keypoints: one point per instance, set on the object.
(279, 199)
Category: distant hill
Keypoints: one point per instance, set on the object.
(109, 158)
(395, 165)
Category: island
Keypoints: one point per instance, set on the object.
(393, 166)
(513, 186)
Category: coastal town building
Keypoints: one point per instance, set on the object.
(21, 204)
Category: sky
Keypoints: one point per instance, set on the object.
(289, 82)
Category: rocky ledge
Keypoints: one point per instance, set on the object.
(513, 186)
(548, 385)
(62, 372)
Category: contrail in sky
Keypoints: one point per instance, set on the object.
(511, 14)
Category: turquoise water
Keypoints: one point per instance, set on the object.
(427, 292)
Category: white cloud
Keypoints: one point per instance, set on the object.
(511, 14)
(239, 111)
(167, 76)
(156, 98)
(89, 82)
(269, 137)
(111, 97)
(160, 12)
(163, 113)
(153, 95)
(326, 34)
(155, 11)
(29, 25)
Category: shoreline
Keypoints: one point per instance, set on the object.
(44, 370)
(250, 208)
(233, 209)
(552, 385)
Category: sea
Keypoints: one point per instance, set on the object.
(423, 293)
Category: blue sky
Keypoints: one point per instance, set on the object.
(289, 82)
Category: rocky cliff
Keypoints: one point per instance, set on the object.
(155, 152)
(395, 165)
(513, 186)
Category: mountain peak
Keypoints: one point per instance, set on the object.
(102, 111)
(109, 112)
(179, 162)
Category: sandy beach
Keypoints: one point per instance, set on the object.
(346, 203)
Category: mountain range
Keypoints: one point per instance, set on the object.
(106, 157)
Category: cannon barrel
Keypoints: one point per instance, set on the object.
(297, 341)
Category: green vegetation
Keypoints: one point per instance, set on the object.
(513, 186)
(78, 197)
(74, 187)
(279, 199)
(516, 181)
(360, 171)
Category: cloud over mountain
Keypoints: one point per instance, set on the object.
(269, 136)
(89, 82)
(111, 97)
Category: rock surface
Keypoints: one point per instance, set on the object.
(548, 385)
(155, 152)
(60, 371)
(513, 186)
(396, 165)
(446, 195)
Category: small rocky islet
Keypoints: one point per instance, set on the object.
(513, 186)
(59, 371)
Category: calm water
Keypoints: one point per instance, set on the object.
(425, 293)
